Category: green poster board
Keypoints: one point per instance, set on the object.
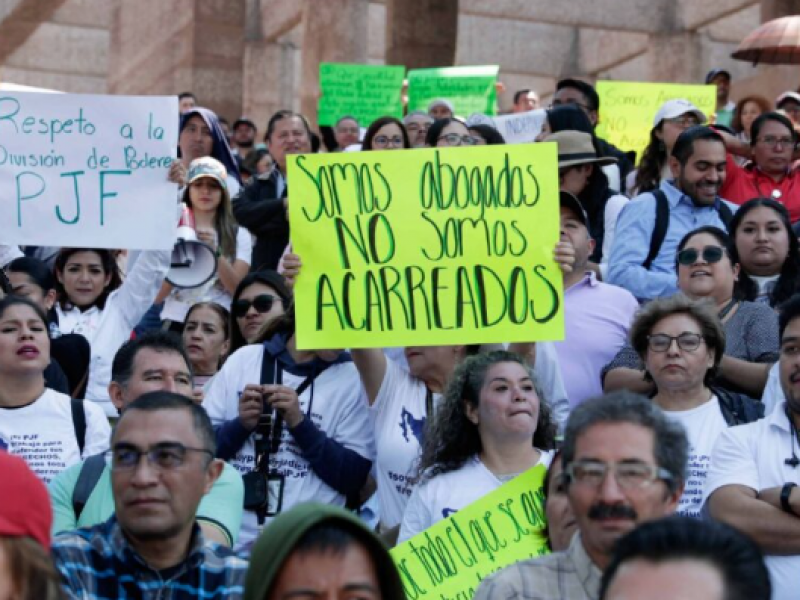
(470, 89)
(365, 92)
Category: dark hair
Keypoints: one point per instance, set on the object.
(762, 120)
(722, 237)
(519, 94)
(223, 313)
(250, 162)
(373, 128)
(670, 446)
(31, 569)
(592, 99)
(436, 128)
(684, 145)
(488, 133)
(568, 117)
(452, 438)
(703, 312)
(654, 157)
(163, 400)
(10, 301)
(736, 122)
(5, 284)
(267, 277)
(158, 340)
(789, 279)
(280, 116)
(108, 263)
(37, 270)
(788, 312)
(183, 95)
(733, 555)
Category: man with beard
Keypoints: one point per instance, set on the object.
(755, 469)
(624, 464)
(651, 225)
(244, 137)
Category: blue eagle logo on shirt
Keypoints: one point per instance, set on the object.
(416, 426)
(3, 444)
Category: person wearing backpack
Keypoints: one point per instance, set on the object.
(651, 225)
(82, 495)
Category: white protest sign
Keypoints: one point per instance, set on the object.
(87, 171)
(516, 128)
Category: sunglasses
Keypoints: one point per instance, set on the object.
(262, 304)
(711, 255)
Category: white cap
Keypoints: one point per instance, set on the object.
(441, 102)
(675, 108)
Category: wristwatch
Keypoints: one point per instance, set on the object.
(786, 491)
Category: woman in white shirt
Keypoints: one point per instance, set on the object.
(491, 426)
(94, 302)
(207, 340)
(37, 423)
(206, 195)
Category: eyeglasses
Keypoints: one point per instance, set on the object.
(710, 254)
(568, 102)
(684, 121)
(383, 140)
(772, 141)
(262, 303)
(453, 139)
(629, 475)
(688, 341)
(166, 456)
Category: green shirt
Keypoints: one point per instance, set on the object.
(222, 506)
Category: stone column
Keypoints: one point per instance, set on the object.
(421, 33)
(172, 46)
(676, 57)
(333, 31)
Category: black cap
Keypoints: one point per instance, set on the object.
(571, 202)
(714, 72)
(244, 121)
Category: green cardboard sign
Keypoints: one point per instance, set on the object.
(365, 92)
(470, 89)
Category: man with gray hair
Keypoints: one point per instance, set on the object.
(624, 464)
(417, 123)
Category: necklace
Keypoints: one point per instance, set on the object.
(727, 309)
(794, 461)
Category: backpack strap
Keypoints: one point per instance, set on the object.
(79, 422)
(737, 409)
(660, 228)
(91, 471)
(725, 214)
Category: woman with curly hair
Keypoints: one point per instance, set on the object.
(491, 425)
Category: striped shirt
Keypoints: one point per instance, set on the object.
(98, 563)
(570, 574)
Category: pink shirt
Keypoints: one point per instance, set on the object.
(597, 317)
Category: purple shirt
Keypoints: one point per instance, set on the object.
(597, 317)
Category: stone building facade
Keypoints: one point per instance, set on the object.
(256, 56)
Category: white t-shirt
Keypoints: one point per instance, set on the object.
(180, 301)
(753, 455)
(444, 494)
(703, 426)
(339, 409)
(43, 433)
(399, 415)
(773, 392)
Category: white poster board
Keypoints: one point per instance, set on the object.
(87, 171)
(516, 128)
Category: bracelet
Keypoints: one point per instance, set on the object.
(786, 492)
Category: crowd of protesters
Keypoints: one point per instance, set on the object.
(667, 419)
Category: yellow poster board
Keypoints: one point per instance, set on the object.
(426, 247)
(627, 109)
(450, 559)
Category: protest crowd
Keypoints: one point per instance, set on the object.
(653, 452)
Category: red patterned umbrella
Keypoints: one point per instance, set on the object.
(775, 42)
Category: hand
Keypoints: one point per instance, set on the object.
(564, 255)
(177, 173)
(289, 267)
(208, 237)
(284, 399)
(250, 405)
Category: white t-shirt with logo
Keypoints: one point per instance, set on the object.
(43, 433)
(703, 426)
(445, 494)
(339, 408)
(399, 415)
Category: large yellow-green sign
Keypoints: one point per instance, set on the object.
(426, 247)
(450, 559)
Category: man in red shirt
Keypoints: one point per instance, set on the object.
(771, 148)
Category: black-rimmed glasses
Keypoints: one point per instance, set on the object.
(710, 254)
(688, 341)
(164, 456)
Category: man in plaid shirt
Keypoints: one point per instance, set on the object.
(162, 463)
